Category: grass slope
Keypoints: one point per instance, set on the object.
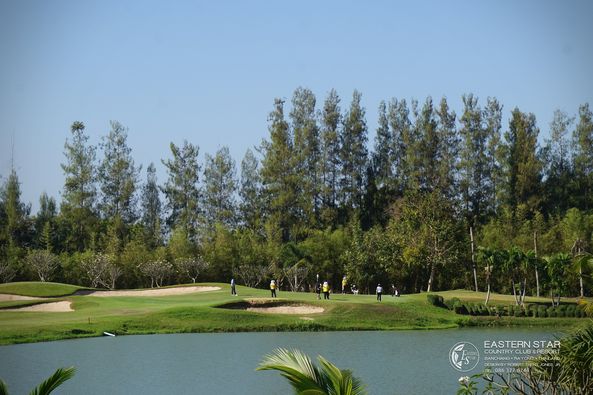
(38, 289)
(200, 312)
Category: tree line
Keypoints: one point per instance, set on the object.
(417, 210)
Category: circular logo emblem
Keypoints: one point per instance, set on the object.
(464, 356)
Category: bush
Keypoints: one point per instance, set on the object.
(570, 311)
(450, 303)
(436, 300)
(542, 312)
(560, 311)
(460, 308)
(551, 312)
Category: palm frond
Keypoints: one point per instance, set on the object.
(297, 367)
(54, 381)
(3, 388)
(308, 379)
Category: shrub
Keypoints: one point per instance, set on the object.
(560, 311)
(460, 308)
(551, 312)
(436, 300)
(450, 303)
(542, 312)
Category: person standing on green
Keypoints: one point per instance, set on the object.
(379, 292)
(273, 288)
(325, 290)
(344, 282)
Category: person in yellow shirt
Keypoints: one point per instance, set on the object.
(344, 282)
(325, 290)
(273, 288)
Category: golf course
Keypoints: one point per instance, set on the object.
(36, 311)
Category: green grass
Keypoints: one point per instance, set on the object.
(201, 312)
(37, 289)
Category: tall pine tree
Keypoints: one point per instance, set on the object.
(80, 191)
(181, 189)
(330, 158)
(220, 188)
(353, 154)
(118, 176)
(151, 209)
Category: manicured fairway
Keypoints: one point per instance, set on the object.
(202, 312)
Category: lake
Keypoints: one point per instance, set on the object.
(394, 362)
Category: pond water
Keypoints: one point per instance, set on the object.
(398, 362)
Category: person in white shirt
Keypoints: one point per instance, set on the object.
(379, 292)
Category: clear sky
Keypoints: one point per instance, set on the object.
(208, 71)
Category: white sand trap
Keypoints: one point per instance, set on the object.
(155, 292)
(53, 307)
(287, 309)
(9, 297)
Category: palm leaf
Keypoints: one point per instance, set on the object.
(3, 388)
(54, 381)
(297, 368)
(308, 379)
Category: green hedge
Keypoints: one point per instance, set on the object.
(436, 300)
(529, 310)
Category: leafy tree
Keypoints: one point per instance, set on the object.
(557, 267)
(181, 188)
(219, 189)
(430, 232)
(101, 269)
(43, 263)
(79, 194)
(151, 209)
(157, 270)
(118, 176)
(307, 378)
(191, 267)
(7, 271)
(522, 167)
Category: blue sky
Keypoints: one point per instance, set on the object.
(208, 71)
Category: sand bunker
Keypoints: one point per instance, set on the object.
(153, 292)
(53, 307)
(287, 309)
(10, 298)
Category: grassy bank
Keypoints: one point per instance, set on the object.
(200, 312)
